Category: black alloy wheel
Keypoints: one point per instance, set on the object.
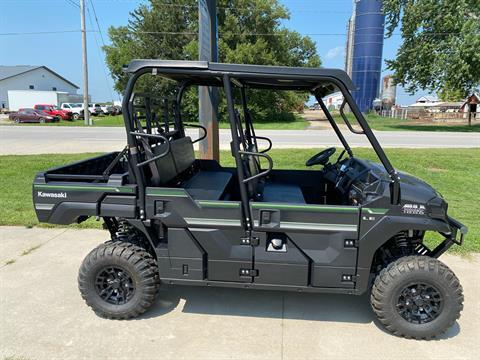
(115, 285)
(420, 303)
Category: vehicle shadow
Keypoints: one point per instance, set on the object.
(270, 304)
(259, 303)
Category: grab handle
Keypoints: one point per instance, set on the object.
(263, 173)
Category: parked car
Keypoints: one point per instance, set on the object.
(108, 109)
(54, 111)
(31, 115)
(75, 108)
(95, 109)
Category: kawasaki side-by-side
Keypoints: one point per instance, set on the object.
(346, 226)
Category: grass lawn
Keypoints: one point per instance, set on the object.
(455, 173)
(388, 124)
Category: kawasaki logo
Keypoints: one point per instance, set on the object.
(61, 195)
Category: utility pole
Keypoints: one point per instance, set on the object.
(208, 96)
(86, 114)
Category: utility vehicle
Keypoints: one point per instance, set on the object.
(347, 226)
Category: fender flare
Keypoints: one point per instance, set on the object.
(381, 232)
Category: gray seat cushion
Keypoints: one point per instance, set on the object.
(283, 193)
(208, 185)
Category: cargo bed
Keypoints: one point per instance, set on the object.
(97, 186)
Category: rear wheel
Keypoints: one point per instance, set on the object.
(417, 297)
(42, 120)
(76, 116)
(119, 280)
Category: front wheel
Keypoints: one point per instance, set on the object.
(417, 297)
(76, 116)
(119, 280)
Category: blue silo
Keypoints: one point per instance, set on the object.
(367, 51)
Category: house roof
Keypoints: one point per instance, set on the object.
(7, 72)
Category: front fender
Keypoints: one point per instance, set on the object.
(381, 232)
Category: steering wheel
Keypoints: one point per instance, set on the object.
(321, 158)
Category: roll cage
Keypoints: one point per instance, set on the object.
(319, 82)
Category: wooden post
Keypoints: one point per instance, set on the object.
(208, 96)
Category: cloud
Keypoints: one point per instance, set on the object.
(335, 52)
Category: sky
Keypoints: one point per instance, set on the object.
(62, 52)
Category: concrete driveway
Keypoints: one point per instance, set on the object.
(43, 317)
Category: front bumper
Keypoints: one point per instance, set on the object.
(457, 227)
(455, 236)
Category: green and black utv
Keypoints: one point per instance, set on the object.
(348, 227)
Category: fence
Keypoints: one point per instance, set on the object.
(406, 113)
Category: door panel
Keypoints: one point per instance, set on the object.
(216, 226)
(325, 235)
(286, 265)
(227, 257)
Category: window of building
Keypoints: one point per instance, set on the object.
(54, 88)
(31, 87)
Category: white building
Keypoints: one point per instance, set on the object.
(333, 101)
(37, 78)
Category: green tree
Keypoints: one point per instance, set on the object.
(441, 45)
(250, 32)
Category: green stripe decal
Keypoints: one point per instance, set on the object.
(315, 208)
(314, 226)
(219, 204)
(167, 192)
(287, 225)
(376, 211)
(122, 189)
(212, 222)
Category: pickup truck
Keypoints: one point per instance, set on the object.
(75, 108)
(55, 111)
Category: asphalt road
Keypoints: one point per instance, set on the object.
(42, 315)
(45, 139)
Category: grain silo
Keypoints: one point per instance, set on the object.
(367, 51)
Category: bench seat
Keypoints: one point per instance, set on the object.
(208, 185)
(283, 193)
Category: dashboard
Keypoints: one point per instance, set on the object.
(354, 180)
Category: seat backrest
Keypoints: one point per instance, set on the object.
(165, 165)
(183, 153)
(180, 158)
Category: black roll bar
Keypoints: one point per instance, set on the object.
(334, 125)
(395, 194)
(227, 86)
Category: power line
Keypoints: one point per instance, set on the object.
(99, 53)
(96, 20)
(73, 3)
(195, 34)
